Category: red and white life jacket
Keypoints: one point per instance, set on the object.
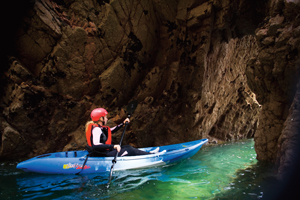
(89, 134)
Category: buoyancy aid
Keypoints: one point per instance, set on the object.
(89, 134)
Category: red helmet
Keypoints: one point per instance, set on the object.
(97, 113)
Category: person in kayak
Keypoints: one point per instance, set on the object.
(98, 137)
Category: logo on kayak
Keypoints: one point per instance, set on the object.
(74, 166)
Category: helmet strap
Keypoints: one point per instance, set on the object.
(102, 121)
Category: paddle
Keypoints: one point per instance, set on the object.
(130, 109)
(83, 164)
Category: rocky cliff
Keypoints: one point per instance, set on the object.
(223, 70)
(274, 73)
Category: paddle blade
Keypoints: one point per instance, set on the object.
(131, 107)
(110, 174)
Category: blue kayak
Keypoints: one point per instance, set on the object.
(71, 162)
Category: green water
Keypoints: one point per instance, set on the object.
(228, 171)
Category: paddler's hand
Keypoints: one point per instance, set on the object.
(126, 120)
(117, 147)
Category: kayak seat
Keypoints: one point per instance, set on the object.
(44, 155)
(171, 150)
(97, 154)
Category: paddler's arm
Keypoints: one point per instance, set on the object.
(116, 128)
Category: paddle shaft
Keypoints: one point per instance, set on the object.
(130, 109)
(83, 164)
(115, 158)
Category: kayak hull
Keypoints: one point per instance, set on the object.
(71, 162)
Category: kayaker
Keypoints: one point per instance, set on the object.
(99, 137)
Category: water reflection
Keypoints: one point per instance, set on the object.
(31, 185)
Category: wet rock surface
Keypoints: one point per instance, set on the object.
(223, 70)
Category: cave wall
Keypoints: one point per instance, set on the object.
(223, 70)
(288, 158)
(274, 73)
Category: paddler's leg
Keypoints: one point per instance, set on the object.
(131, 151)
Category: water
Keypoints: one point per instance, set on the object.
(228, 171)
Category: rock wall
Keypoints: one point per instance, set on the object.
(196, 68)
(289, 143)
(274, 73)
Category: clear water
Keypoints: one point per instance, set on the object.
(215, 172)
